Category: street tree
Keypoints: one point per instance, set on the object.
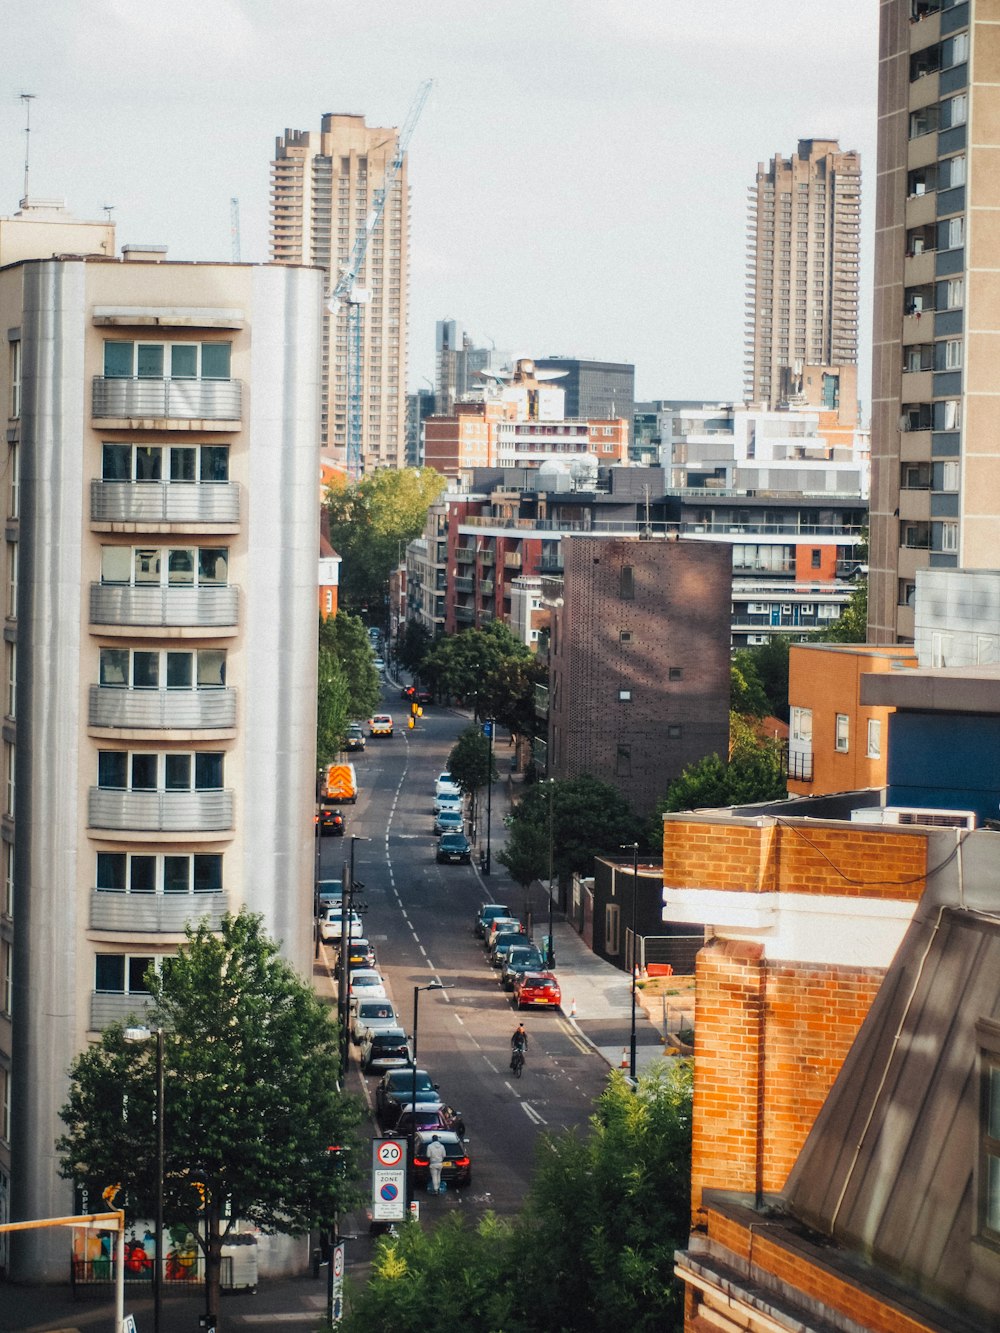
(852, 625)
(589, 818)
(470, 666)
(753, 772)
(347, 682)
(746, 689)
(526, 852)
(412, 645)
(371, 520)
(251, 1106)
(769, 663)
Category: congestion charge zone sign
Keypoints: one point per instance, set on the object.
(389, 1180)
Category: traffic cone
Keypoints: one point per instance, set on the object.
(572, 1007)
(625, 1060)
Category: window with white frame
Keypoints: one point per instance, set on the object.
(160, 462)
(169, 873)
(953, 354)
(940, 649)
(802, 724)
(954, 237)
(950, 471)
(170, 566)
(14, 474)
(954, 110)
(123, 973)
(954, 294)
(8, 879)
(612, 928)
(12, 579)
(134, 770)
(143, 669)
(158, 361)
(874, 750)
(11, 656)
(9, 760)
(952, 171)
(15, 378)
(6, 978)
(949, 536)
(842, 733)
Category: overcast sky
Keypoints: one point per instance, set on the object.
(578, 176)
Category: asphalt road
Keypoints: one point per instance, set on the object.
(419, 918)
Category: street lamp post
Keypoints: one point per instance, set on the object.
(634, 848)
(142, 1035)
(550, 960)
(492, 725)
(346, 907)
(431, 985)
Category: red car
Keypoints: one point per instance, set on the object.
(537, 988)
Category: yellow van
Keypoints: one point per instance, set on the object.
(341, 783)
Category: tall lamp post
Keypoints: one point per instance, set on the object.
(143, 1035)
(346, 908)
(550, 952)
(634, 848)
(490, 727)
(431, 985)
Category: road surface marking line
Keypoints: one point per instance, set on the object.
(532, 1114)
(490, 1063)
(460, 1019)
(421, 947)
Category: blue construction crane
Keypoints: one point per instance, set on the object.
(347, 292)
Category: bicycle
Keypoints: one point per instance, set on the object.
(517, 1061)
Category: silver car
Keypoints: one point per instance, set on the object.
(370, 1016)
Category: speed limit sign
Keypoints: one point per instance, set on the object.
(389, 1152)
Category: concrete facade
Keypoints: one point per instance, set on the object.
(159, 562)
(638, 661)
(323, 186)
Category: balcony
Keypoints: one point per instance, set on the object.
(800, 765)
(164, 710)
(465, 615)
(465, 555)
(107, 1007)
(158, 502)
(199, 403)
(154, 912)
(488, 557)
(203, 608)
(541, 701)
(160, 811)
(486, 588)
(512, 560)
(463, 583)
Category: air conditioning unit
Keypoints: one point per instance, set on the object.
(915, 816)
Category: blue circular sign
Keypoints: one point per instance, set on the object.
(389, 1191)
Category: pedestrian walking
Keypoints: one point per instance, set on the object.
(435, 1161)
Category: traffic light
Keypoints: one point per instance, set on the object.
(409, 722)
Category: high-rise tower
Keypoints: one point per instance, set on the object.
(935, 411)
(322, 188)
(803, 234)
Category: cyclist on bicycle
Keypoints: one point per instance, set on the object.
(518, 1045)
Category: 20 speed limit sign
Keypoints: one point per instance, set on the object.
(389, 1152)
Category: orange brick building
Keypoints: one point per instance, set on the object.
(834, 742)
(802, 919)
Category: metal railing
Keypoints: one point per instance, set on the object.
(123, 604)
(160, 811)
(168, 912)
(168, 710)
(164, 502)
(184, 400)
(799, 765)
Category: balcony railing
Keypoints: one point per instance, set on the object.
(541, 701)
(799, 765)
(465, 615)
(169, 710)
(512, 559)
(465, 555)
(486, 588)
(107, 1007)
(182, 400)
(463, 583)
(488, 557)
(160, 811)
(164, 502)
(140, 912)
(121, 604)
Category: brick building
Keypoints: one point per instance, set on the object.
(639, 660)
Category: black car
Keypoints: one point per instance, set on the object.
(520, 958)
(424, 698)
(355, 738)
(508, 939)
(456, 1169)
(454, 847)
(385, 1049)
(331, 821)
(487, 913)
(395, 1089)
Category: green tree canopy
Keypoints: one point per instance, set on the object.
(746, 690)
(370, 521)
(412, 645)
(251, 1068)
(526, 852)
(347, 682)
(478, 666)
(768, 663)
(852, 626)
(469, 762)
(591, 1252)
(754, 772)
(589, 818)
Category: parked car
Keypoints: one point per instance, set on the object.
(447, 802)
(537, 990)
(505, 940)
(329, 892)
(330, 821)
(520, 958)
(456, 1169)
(355, 738)
(446, 786)
(380, 725)
(387, 1049)
(454, 847)
(424, 697)
(357, 953)
(394, 1090)
(429, 1115)
(366, 981)
(449, 821)
(497, 926)
(370, 1016)
(487, 913)
(331, 925)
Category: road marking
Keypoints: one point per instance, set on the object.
(421, 947)
(532, 1114)
(491, 1064)
(460, 1019)
(509, 1086)
(575, 1037)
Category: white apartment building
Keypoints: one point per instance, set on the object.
(158, 680)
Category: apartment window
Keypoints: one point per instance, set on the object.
(11, 679)
(612, 928)
(8, 879)
(15, 378)
(122, 973)
(940, 649)
(141, 462)
(6, 977)
(952, 171)
(9, 760)
(124, 770)
(673, 732)
(138, 669)
(950, 474)
(623, 760)
(924, 121)
(953, 111)
(874, 738)
(842, 733)
(802, 724)
(952, 234)
(14, 473)
(626, 586)
(4, 1103)
(953, 354)
(954, 293)
(124, 872)
(171, 566)
(157, 361)
(907, 592)
(815, 558)
(625, 696)
(12, 579)
(949, 537)
(947, 414)
(955, 51)
(675, 673)
(625, 636)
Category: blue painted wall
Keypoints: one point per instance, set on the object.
(947, 760)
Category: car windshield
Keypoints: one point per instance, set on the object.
(525, 959)
(453, 841)
(376, 1011)
(402, 1081)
